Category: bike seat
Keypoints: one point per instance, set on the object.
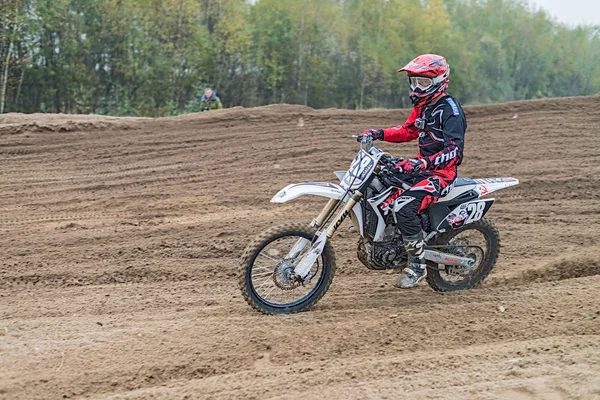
(464, 182)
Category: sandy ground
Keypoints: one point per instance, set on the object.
(120, 238)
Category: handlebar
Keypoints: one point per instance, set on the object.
(396, 179)
(366, 140)
(388, 163)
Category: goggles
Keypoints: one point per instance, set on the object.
(420, 82)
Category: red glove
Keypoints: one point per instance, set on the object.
(412, 166)
(377, 134)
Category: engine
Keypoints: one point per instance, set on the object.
(387, 254)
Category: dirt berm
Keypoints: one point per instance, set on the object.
(119, 242)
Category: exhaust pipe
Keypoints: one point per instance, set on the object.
(448, 259)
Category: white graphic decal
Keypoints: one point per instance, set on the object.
(475, 211)
(401, 202)
(445, 157)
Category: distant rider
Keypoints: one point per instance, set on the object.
(439, 123)
(210, 101)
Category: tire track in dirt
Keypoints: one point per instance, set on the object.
(50, 178)
(120, 251)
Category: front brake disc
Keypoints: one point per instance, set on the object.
(283, 276)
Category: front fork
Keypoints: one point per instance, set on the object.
(327, 210)
(341, 216)
(323, 217)
(316, 223)
(302, 269)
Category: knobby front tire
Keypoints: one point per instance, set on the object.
(249, 258)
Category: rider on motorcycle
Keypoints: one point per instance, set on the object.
(439, 123)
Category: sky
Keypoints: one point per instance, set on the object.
(572, 12)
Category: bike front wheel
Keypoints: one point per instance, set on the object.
(266, 271)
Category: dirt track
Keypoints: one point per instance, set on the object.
(120, 238)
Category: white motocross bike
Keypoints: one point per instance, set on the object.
(288, 268)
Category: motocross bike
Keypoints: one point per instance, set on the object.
(288, 268)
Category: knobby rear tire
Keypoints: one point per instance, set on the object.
(258, 244)
(485, 226)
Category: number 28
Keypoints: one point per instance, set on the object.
(475, 211)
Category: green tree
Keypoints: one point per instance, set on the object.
(154, 57)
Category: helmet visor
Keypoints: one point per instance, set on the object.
(420, 82)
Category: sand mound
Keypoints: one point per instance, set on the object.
(120, 240)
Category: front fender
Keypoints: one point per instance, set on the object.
(323, 189)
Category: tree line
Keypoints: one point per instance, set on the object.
(155, 57)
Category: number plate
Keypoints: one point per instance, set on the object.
(466, 213)
(361, 167)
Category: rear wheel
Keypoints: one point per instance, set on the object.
(480, 241)
(266, 276)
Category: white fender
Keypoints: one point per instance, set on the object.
(482, 186)
(323, 189)
(489, 185)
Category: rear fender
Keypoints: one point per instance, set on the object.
(322, 189)
(481, 186)
(489, 185)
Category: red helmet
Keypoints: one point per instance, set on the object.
(428, 75)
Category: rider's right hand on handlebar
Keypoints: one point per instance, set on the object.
(376, 134)
(386, 175)
(412, 166)
(390, 161)
(390, 176)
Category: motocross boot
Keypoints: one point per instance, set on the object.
(416, 269)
